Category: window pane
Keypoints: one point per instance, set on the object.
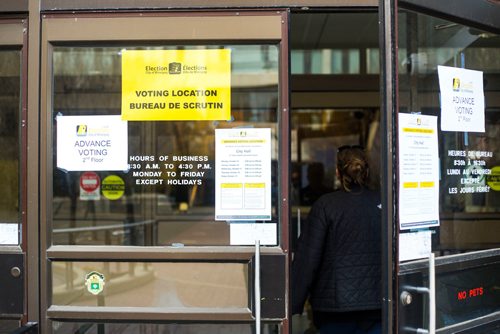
(316, 134)
(326, 61)
(134, 284)
(10, 106)
(178, 328)
(179, 207)
(469, 194)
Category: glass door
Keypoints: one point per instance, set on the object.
(164, 204)
(13, 234)
(448, 165)
(335, 102)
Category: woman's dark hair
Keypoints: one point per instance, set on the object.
(352, 166)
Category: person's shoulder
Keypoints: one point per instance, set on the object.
(331, 194)
(374, 197)
(328, 198)
(374, 193)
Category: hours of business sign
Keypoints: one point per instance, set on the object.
(469, 168)
(169, 170)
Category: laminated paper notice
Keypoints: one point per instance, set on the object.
(243, 174)
(418, 171)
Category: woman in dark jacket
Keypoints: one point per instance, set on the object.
(337, 263)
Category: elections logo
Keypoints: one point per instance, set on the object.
(174, 68)
(81, 130)
(456, 84)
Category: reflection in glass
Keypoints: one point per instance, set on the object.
(326, 61)
(10, 106)
(166, 284)
(467, 294)
(334, 43)
(87, 81)
(178, 328)
(469, 193)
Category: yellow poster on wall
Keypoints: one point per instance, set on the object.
(176, 85)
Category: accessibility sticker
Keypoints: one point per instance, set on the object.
(94, 282)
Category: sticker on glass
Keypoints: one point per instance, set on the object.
(94, 282)
(113, 187)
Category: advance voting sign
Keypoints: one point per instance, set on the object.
(462, 99)
(92, 143)
(176, 85)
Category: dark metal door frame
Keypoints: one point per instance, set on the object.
(54, 33)
(14, 262)
(483, 14)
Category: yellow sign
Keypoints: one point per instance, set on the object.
(176, 85)
(113, 187)
(493, 180)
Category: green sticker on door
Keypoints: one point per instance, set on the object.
(94, 282)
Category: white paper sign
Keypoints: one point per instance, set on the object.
(414, 245)
(462, 99)
(243, 174)
(246, 234)
(9, 234)
(92, 143)
(418, 171)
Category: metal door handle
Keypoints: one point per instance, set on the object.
(406, 298)
(15, 272)
(257, 287)
(432, 295)
(298, 223)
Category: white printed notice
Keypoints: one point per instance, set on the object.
(246, 234)
(243, 174)
(9, 234)
(462, 99)
(414, 245)
(92, 143)
(418, 171)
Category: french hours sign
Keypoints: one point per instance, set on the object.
(176, 85)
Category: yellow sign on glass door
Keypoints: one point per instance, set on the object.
(176, 85)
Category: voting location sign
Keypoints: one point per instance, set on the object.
(92, 143)
(176, 85)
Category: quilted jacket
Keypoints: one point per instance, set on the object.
(337, 262)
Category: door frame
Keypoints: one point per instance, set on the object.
(14, 36)
(62, 28)
(482, 14)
